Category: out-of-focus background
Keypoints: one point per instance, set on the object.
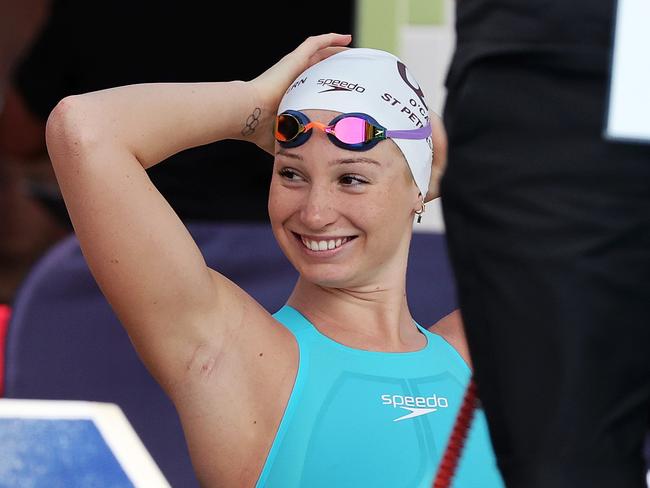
(26, 229)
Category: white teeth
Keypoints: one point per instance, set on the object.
(324, 245)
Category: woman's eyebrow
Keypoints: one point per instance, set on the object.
(360, 159)
(288, 154)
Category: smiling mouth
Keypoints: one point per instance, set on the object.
(320, 245)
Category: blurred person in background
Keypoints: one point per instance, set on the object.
(548, 227)
(26, 228)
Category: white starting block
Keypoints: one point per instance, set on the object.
(47, 443)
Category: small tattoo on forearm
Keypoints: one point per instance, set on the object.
(251, 122)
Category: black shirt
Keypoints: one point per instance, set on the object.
(86, 46)
(563, 34)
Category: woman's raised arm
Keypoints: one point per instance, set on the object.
(138, 250)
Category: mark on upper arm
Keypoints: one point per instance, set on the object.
(204, 361)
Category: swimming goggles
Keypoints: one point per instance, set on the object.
(353, 131)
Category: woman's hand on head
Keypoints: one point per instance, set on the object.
(270, 86)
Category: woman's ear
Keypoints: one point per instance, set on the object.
(439, 138)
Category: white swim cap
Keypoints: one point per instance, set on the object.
(373, 82)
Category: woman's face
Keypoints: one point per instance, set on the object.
(343, 218)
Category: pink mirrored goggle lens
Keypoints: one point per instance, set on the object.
(351, 130)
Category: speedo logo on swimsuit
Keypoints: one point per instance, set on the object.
(416, 405)
(339, 85)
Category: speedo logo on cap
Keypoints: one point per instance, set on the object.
(339, 85)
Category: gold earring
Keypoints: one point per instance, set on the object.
(421, 211)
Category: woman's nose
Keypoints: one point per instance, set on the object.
(319, 209)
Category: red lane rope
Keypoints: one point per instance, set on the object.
(454, 450)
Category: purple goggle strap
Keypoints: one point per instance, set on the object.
(421, 133)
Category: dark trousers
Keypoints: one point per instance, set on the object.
(548, 230)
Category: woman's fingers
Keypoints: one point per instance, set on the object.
(325, 53)
(309, 52)
(317, 48)
(315, 43)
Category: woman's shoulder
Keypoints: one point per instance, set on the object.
(451, 329)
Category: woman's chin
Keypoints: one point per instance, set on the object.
(327, 278)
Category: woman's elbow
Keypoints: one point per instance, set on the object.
(70, 129)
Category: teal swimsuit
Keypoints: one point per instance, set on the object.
(373, 419)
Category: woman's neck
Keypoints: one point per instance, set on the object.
(373, 317)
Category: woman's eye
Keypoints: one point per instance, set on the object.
(289, 174)
(352, 180)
